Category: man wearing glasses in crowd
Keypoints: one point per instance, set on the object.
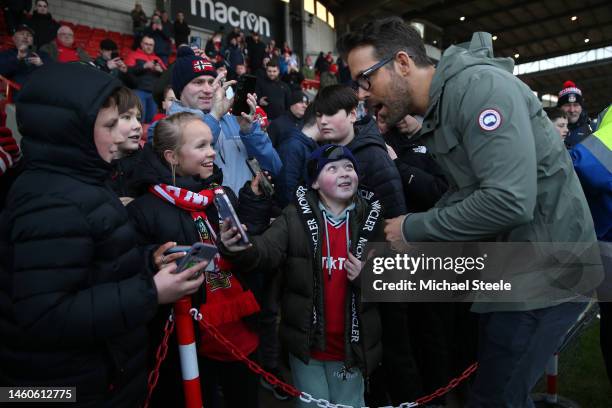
(510, 180)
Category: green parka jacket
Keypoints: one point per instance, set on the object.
(510, 177)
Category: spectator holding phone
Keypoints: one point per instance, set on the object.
(199, 90)
(145, 67)
(110, 62)
(75, 290)
(179, 172)
(18, 63)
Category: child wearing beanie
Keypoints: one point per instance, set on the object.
(332, 337)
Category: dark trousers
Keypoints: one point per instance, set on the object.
(397, 380)
(604, 293)
(237, 383)
(444, 340)
(513, 349)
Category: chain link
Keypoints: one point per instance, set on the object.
(160, 356)
(305, 397)
(254, 367)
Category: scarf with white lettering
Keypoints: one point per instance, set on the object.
(309, 220)
(226, 300)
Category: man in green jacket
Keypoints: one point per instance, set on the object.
(510, 180)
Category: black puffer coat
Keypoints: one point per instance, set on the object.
(377, 172)
(75, 293)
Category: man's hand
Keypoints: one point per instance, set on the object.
(121, 66)
(246, 120)
(220, 104)
(263, 101)
(149, 65)
(34, 59)
(393, 228)
(158, 68)
(113, 63)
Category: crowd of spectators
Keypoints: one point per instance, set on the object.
(124, 160)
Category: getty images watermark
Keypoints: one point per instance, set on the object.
(534, 273)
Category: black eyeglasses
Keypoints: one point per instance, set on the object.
(363, 79)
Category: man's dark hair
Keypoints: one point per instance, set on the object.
(310, 116)
(272, 63)
(331, 99)
(556, 113)
(44, 1)
(108, 45)
(387, 36)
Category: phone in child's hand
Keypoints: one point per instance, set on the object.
(226, 211)
(264, 183)
(245, 85)
(196, 253)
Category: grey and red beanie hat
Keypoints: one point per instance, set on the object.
(569, 94)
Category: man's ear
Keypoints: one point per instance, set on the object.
(315, 185)
(403, 63)
(171, 157)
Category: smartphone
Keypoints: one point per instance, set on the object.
(196, 253)
(196, 42)
(226, 210)
(177, 249)
(114, 54)
(246, 85)
(264, 183)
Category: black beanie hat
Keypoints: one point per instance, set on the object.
(569, 94)
(187, 67)
(298, 96)
(323, 155)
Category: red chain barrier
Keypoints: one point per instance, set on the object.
(291, 390)
(254, 367)
(162, 351)
(160, 356)
(452, 384)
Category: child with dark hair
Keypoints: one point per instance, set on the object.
(335, 107)
(559, 118)
(333, 338)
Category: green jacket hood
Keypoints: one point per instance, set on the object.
(456, 58)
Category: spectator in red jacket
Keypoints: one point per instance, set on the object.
(146, 68)
(63, 49)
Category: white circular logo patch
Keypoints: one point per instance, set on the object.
(489, 120)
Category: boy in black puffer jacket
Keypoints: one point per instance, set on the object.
(75, 292)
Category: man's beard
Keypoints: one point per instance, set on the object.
(398, 103)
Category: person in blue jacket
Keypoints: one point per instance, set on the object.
(294, 153)
(198, 90)
(593, 163)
